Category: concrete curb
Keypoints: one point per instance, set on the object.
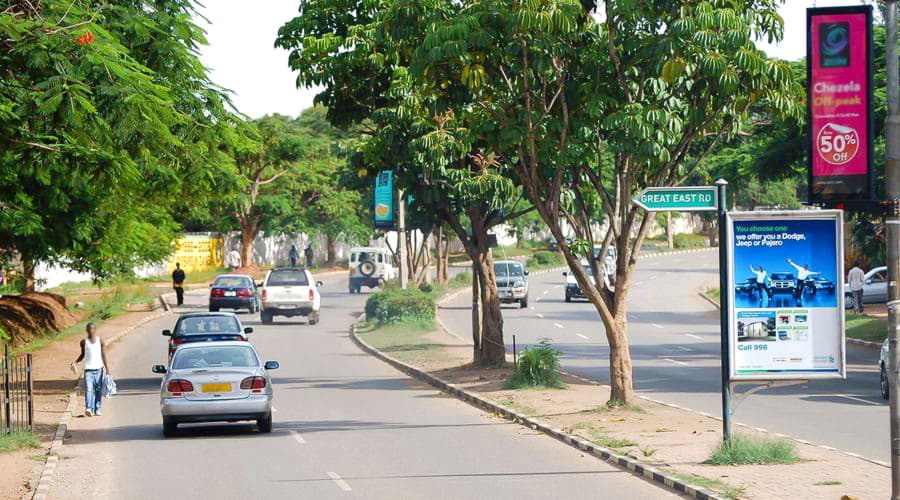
(49, 467)
(709, 299)
(605, 454)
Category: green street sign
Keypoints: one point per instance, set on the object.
(678, 199)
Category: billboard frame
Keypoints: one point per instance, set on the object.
(869, 194)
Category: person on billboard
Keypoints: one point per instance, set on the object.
(178, 283)
(855, 280)
(760, 281)
(803, 273)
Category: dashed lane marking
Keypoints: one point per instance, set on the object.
(297, 437)
(682, 348)
(540, 315)
(857, 399)
(670, 360)
(694, 336)
(657, 326)
(557, 325)
(339, 482)
(582, 336)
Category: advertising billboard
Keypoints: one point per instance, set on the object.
(786, 304)
(839, 103)
(197, 252)
(384, 200)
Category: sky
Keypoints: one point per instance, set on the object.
(242, 56)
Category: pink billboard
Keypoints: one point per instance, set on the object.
(839, 102)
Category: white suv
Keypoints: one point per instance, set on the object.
(290, 292)
(370, 267)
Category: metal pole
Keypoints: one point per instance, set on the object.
(29, 366)
(6, 401)
(515, 354)
(721, 185)
(892, 191)
(401, 240)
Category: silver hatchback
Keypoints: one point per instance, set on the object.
(216, 382)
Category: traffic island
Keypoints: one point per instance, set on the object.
(672, 446)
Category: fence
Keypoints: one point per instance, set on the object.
(17, 393)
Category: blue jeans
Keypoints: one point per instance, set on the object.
(93, 396)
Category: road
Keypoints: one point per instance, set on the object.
(346, 426)
(674, 338)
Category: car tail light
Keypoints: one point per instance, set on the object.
(254, 384)
(264, 294)
(217, 292)
(244, 293)
(312, 295)
(178, 386)
(177, 341)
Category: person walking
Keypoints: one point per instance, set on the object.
(93, 353)
(760, 281)
(855, 279)
(294, 255)
(309, 256)
(178, 283)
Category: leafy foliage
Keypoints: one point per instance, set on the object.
(537, 367)
(400, 306)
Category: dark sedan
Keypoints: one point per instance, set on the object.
(233, 291)
(206, 327)
(746, 286)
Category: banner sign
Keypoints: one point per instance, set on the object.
(197, 252)
(384, 200)
(786, 287)
(839, 103)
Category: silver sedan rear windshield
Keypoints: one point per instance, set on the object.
(215, 357)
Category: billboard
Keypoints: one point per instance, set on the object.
(198, 252)
(786, 307)
(384, 200)
(839, 103)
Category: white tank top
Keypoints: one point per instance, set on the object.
(93, 356)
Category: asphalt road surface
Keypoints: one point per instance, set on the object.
(675, 346)
(346, 426)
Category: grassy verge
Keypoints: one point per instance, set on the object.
(720, 487)
(746, 450)
(714, 294)
(597, 437)
(18, 440)
(866, 328)
(405, 341)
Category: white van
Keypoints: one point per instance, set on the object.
(370, 267)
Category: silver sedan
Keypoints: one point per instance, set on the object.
(216, 382)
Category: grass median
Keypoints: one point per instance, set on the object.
(18, 440)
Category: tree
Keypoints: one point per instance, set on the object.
(107, 122)
(588, 113)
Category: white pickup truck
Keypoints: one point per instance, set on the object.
(290, 292)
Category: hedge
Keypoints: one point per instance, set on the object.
(688, 240)
(544, 258)
(399, 306)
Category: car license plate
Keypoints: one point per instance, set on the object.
(287, 306)
(215, 387)
(230, 294)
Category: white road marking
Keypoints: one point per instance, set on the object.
(687, 349)
(856, 399)
(339, 482)
(682, 363)
(540, 315)
(274, 409)
(694, 336)
(639, 283)
(657, 326)
(558, 286)
(580, 335)
(557, 325)
(537, 299)
(297, 437)
(546, 292)
(532, 308)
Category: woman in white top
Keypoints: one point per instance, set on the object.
(93, 353)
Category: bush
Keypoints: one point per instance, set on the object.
(462, 279)
(746, 450)
(400, 306)
(426, 287)
(688, 240)
(536, 367)
(544, 258)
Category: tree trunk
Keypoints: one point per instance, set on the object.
(28, 266)
(444, 273)
(248, 233)
(440, 254)
(476, 314)
(330, 250)
(491, 351)
(620, 373)
(669, 230)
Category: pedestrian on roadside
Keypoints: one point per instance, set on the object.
(93, 352)
(178, 283)
(760, 281)
(294, 255)
(309, 255)
(855, 279)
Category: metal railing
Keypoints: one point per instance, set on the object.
(16, 393)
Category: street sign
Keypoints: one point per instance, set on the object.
(678, 199)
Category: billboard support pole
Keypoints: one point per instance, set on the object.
(724, 294)
(892, 191)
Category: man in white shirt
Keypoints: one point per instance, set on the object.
(803, 273)
(760, 281)
(855, 280)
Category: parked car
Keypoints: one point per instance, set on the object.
(782, 283)
(573, 290)
(216, 382)
(233, 291)
(206, 327)
(512, 282)
(874, 288)
(370, 267)
(882, 368)
(290, 292)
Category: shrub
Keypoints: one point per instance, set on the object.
(688, 240)
(543, 258)
(426, 287)
(536, 367)
(462, 279)
(746, 450)
(400, 306)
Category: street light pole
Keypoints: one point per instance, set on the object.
(892, 192)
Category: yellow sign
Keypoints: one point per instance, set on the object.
(198, 252)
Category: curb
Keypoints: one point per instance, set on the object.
(709, 299)
(605, 454)
(49, 467)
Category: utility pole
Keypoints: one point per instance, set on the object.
(401, 237)
(892, 191)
